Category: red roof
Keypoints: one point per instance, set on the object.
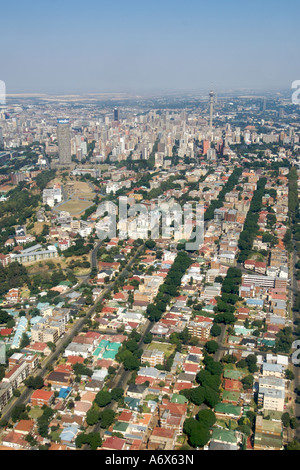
(128, 288)
(140, 380)
(232, 385)
(63, 368)
(108, 310)
(113, 443)
(38, 346)
(182, 386)
(6, 331)
(92, 334)
(75, 360)
(243, 310)
(163, 432)
(119, 295)
(125, 416)
(195, 350)
(191, 368)
(42, 395)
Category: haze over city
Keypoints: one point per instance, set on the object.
(96, 46)
(150, 228)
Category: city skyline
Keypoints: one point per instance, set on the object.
(63, 48)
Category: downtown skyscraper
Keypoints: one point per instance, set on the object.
(64, 142)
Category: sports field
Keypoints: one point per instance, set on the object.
(73, 206)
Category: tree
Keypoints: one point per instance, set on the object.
(92, 439)
(19, 412)
(148, 338)
(92, 417)
(103, 398)
(247, 382)
(107, 418)
(34, 382)
(117, 394)
(25, 341)
(285, 418)
(51, 346)
(197, 395)
(294, 445)
(131, 363)
(150, 244)
(294, 423)
(199, 437)
(215, 330)
(211, 346)
(189, 425)
(211, 397)
(206, 417)
(289, 375)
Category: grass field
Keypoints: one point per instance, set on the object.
(46, 266)
(35, 412)
(74, 206)
(167, 348)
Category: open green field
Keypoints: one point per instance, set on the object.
(167, 348)
(73, 206)
(35, 412)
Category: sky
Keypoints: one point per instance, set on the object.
(96, 46)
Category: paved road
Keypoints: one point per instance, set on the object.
(296, 369)
(70, 334)
(119, 381)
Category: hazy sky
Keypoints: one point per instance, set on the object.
(128, 45)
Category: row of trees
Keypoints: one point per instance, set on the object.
(251, 227)
(225, 307)
(130, 353)
(208, 392)
(170, 286)
(217, 203)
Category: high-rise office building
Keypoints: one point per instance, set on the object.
(1, 139)
(211, 154)
(206, 146)
(64, 141)
(116, 114)
(211, 110)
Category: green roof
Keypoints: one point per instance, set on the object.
(271, 427)
(272, 442)
(132, 403)
(234, 339)
(176, 398)
(120, 427)
(224, 435)
(268, 342)
(65, 283)
(241, 330)
(109, 354)
(113, 346)
(227, 408)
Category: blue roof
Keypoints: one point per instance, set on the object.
(69, 432)
(254, 302)
(132, 403)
